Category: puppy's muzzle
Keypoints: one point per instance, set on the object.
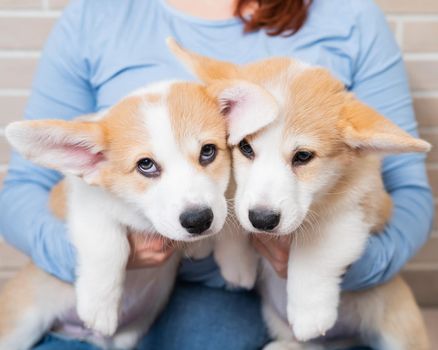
(196, 221)
(264, 219)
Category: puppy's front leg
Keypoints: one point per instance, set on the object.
(316, 264)
(237, 259)
(102, 253)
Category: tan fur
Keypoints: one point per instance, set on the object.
(362, 125)
(32, 283)
(15, 290)
(270, 72)
(390, 309)
(121, 136)
(122, 144)
(207, 69)
(189, 122)
(88, 130)
(58, 200)
(19, 293)
(23, 291)
(317, 106)
(199, 122)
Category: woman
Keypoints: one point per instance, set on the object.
(101, 50)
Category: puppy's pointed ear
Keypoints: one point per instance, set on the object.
(365, 129)
(205, 68)
(248, 107)
(72, 147)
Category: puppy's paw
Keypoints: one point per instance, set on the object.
(240, 273)
(126, 339)
(277, 345)
(286, 345)
(98, 316)
(312, 322)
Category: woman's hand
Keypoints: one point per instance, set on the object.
(275, 250)
(148, 250)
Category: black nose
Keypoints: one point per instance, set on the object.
(196, 221)
(264, 219)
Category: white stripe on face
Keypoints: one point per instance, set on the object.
(181, 185)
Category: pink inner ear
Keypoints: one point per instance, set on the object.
(227, 106)
(235, 102)
(80, 157)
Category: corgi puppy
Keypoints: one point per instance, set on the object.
(157, 162)
(309, 167)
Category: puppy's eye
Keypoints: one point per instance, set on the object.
(302, 158)
(208, 154)
(148, 168)
(246, 149)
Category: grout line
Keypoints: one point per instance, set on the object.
(430, 93)
(426, 17)
(399, 33)
(30, 14)
(14, 92)
(432, 166)
(428, 130)
(19, 54)
(45, 5)
(421, 266)
(422, 56)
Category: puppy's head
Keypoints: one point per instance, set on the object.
(303, 144)
(161, 150)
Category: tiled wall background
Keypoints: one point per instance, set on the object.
(24, 25)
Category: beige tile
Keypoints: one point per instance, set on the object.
(18, 33)
(12, 108)
(58, 4)
(2, 177)
(420, 36)
(11, 258)
(17, 73)
(20, 4)
(424, 285)
(393, 25)
(431, 137)
(423, 75)
(4, 150)
(409, 6)
(435, 223)
(426, 110)
(433, 179)
(429, 253)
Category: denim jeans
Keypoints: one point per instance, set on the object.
(196, 318)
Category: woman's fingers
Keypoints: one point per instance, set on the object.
(148, 250)
(149, 242)
(149, 259)
(275, 250)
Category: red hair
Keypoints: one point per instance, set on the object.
(277, 17)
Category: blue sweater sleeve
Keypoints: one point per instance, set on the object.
(60, 90)
(380, 81)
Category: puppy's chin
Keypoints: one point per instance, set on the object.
(198, 238)
(186, 237)
(282, 230)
